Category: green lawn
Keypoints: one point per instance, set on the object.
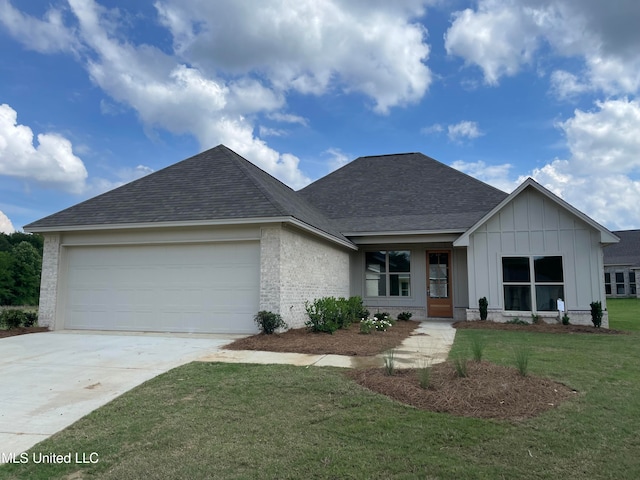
(251, 421)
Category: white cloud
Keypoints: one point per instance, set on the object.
(431, 129)
(502, 36)
(46, 36)
(601, 177)
(272, 132)
(337, 158)
(51, 162)
(308, 46)
(288, 118)
(496, 175)
(464, 129)
(214, 89)
(5, 224)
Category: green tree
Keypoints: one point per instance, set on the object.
(6, 278)
(26, 268)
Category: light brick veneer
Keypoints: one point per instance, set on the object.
(296, 268)
(49, 281)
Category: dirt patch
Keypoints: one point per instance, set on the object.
(21, 331)
(342, 342)
(542, 328)
(489, 390)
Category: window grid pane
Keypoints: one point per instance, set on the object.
(379, 282)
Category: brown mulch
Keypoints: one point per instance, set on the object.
(538, 327)
(489, 390)
(21, 331)
(342, 342)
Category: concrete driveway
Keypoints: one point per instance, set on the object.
(50, 380)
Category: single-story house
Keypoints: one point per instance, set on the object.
(204, 244)
(622, 265)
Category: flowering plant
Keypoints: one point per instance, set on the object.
(380, 324)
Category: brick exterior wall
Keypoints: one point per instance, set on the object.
(49, 281)
(296, 268)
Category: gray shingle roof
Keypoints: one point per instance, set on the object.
(217, 184)
(625, 252)
(401, 192)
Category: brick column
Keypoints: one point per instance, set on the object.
(49, 281)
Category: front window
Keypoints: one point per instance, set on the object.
(388, 273)
(607, 283)
(532, 281)
(620, 283)
(632, 283)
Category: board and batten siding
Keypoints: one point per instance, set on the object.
(534, 225)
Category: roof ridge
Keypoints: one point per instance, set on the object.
(232, 156)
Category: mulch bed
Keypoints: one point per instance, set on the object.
(342, 342)
(489, 390)
(21, 331)
(541, 327)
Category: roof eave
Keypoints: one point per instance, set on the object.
(193, 223)
(606, 236)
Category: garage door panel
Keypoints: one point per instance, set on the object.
(177, 288)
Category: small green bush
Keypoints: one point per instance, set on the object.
(328, 314)
(517, 321)
(536, 319)
(483, 304)
(269, 322)
(405, 316)
(13, 318)
(596, 314)
(424, 376)
(324, 315)
(565, 319)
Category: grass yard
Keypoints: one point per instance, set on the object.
(252, 421)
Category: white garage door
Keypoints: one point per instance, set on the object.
(205, 288)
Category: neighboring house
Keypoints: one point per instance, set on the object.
(202, 245)
(622, 265)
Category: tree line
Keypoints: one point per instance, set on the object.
(20, 268)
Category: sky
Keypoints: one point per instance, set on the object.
(97, 93)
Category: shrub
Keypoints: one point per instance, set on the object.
(536, 319)
(327, 314)
(565, 319)
(269, 322)
(381, 324)
(517, 321)
(13, 318)
(324, 315)
(596, 314)
(405, 316)
(352, 310)
(483, 304)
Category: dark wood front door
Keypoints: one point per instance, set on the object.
(439, 301)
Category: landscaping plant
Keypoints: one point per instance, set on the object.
(390, 362)
(477, 347)
(269, 322)
(404, 316)
(565, 319)
(521, 356)
(483, 304)
(596, 314)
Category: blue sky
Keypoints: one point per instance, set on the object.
(93, 94)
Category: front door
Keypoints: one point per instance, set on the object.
(439, 301)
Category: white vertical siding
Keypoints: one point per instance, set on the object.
(533, 224)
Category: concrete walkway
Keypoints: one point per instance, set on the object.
(427, 345)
